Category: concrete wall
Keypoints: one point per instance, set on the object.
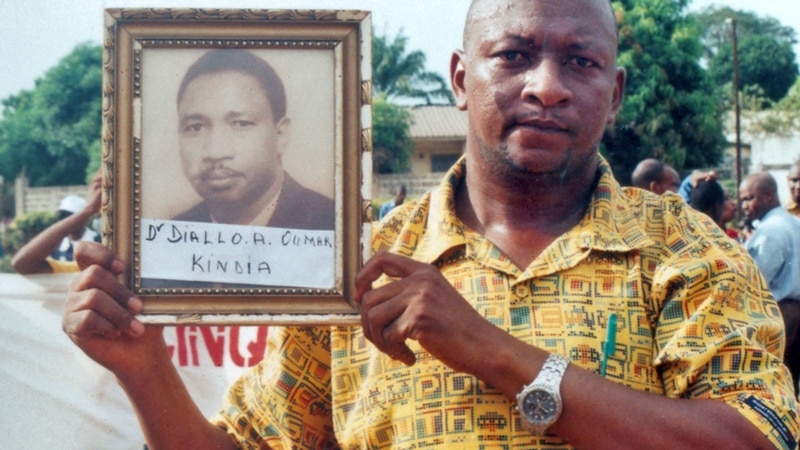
(31, 199)
(383, 186)
(775, 155)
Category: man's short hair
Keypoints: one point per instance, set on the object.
(647, 171)
(242, 61)
(764, 183)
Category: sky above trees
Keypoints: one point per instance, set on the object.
(36, 34)
(659, 48)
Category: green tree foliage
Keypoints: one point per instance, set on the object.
(398, 75)
(391, 142)
(20, 231)
(763, 62)
(777, 118)
(669, 110)
(792, 99)
(50, 132)
(766, 57)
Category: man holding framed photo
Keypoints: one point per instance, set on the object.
(488, 308)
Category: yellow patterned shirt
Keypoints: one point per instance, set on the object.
(58, 266)
(694, 320)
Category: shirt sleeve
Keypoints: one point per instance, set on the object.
(285, 400)
(720, 334)
(685, 189)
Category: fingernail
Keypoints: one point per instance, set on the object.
(135, 304)
(137, 328)
(117, 266)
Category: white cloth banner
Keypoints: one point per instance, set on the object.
(55, 397)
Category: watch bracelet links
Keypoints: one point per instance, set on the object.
(553, 369)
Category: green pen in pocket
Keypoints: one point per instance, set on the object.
(611, 343)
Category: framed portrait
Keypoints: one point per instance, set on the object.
(237, 162)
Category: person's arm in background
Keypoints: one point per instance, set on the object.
(32, 257)
(691, 180)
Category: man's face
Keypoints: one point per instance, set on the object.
(539, 82)
(794, 182)
(754, 203)
(230, 145)
(399, 197)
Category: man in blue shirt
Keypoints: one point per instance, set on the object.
(775, 242)
(775, 246)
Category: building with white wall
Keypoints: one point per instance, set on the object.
(775, 154)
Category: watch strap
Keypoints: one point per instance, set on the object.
(552, 371)
(549, 379)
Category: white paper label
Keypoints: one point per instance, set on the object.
(248, 255)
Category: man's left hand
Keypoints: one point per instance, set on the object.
(421, 305)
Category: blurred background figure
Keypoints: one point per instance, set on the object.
(691, 180)
(399, 198)
(655, 176)
(775, 246)
(794, 189)
(707, 201)
(729, 215)
(708, 197)
(73, 204)
(775, 243)
(51, 251)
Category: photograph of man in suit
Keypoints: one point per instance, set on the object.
(233, 131)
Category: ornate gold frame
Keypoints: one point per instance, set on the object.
(129, 33)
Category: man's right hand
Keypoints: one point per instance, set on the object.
(100, 319)
(100, 314)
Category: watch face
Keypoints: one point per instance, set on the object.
(540, 406)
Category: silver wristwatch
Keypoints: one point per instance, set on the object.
(539, 403)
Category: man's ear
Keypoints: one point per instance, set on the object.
(619, 91)
(284, 130)
(654, 187)
(457, 74)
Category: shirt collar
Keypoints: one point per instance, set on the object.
(612, 223)
(445, 231)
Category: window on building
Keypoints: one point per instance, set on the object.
(442, 163)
